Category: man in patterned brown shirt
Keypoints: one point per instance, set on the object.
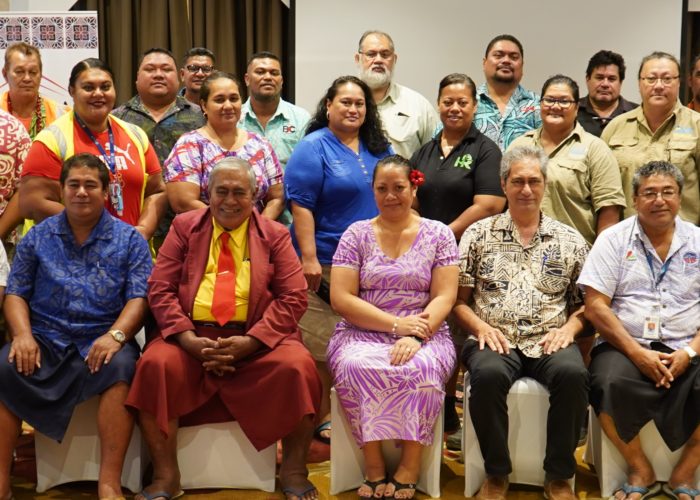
(518, 272)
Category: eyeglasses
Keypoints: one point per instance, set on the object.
(549, 102)
(193, 68)
(666, 194)
(372, 54)
(652, 80)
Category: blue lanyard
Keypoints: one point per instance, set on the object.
(650, 262)
(110, 159)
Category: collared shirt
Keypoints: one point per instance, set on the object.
(334, 183)
(471, 168)
(677, 140)
(523, 291)
(582, 178)
(182, 117)
(238, 244)
(409, 119)
(13, 150)
(618, 268)
(76, 292)
(592, 122)
(522, 113)
(286, 127)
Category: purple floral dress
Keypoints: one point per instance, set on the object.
(382, 401)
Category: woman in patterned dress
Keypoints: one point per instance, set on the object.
(394, 280)
(186, 170)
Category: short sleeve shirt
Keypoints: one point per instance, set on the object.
(334, 183)
(594, 124)
(75, 293)
(618, 268)
(522, 113)
(523, 291)
(14, 146)
(409, 119)
(194, 156)
(471, 168)
(284, 130)
(182, 117)
(677, 140)
(582, 178)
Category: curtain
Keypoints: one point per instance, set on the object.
(232, 29)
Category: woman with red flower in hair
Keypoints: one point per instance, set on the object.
(461, 185)
(394, 281)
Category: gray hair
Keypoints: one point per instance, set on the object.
(657, 168)
(375, 32)
(520, 153)
(233, 163)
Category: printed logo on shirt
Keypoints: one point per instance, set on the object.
(464, 161)
(683, 130)
(577, 152)
(528, 109)
(289, 129)
(690, 258)
(630, 255)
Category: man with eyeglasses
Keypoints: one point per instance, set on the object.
(642, 294)
(604, 76)
(265, 112)
(506, 110)
(409, 119)
(159, 111)
(22, 72)
(197, 65)
(518, 298)
(660, 129)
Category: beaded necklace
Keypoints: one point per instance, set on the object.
(38, 116)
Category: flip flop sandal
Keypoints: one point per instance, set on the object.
(646, 492)
(298, 493)
(680, 490)
(373, 486)
(325, 426)
(403, 486)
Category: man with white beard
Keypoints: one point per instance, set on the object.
(409, 119)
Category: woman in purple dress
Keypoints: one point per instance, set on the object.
(394, 280)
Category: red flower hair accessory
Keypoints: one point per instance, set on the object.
(416, 177)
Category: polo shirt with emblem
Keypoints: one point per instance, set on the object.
(471, 168)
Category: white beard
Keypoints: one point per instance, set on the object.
(375, 80)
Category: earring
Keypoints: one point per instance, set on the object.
(328, 115)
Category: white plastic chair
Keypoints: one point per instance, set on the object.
(348, 462)
(77, 457)
(528, 404)
(611, 468)
(220, 456)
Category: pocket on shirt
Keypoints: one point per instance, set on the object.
(679, 151)
(554, 280)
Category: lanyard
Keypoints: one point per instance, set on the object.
(110, 159)
(650, 262)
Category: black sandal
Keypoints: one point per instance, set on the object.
(402, 486)
(373, 485)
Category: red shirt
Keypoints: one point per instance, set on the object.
(43, 162)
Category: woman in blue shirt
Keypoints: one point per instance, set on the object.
(328, 183)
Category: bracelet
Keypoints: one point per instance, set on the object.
(396, 325)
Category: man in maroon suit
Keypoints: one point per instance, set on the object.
(227, 293)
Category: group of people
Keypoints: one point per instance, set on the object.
(407, 241)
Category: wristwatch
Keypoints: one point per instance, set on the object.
(118, 335)
(691, 352)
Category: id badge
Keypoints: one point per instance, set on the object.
(116, 197)
(651, 327)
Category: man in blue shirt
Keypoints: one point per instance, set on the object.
(76, 296)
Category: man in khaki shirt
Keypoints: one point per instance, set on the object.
(660, 129)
